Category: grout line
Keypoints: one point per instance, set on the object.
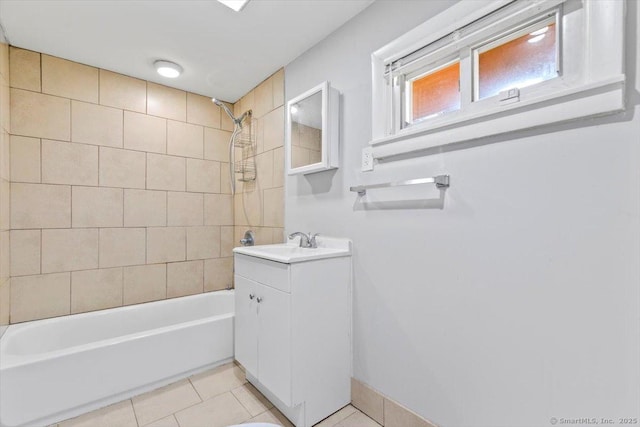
(135, 415)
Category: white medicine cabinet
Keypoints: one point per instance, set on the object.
(313, 131)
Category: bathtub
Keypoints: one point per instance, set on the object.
(55, 369)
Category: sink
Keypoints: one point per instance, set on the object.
(289, 253)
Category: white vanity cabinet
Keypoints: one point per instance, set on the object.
(292, 332)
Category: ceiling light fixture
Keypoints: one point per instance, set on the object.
(168, 69)
(236, 5)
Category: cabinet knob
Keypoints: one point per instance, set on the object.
(252, 296)
(259, 299)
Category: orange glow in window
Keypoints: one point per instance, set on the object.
(437, 92)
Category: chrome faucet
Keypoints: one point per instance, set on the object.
(306, 240)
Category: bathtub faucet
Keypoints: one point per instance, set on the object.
(306, 240)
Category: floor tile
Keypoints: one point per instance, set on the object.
(117, 415)
(219, 411)
(217, 381)
(169, 421)
(271, 416)
(252, 400)
(357, 419)
(336, 417)
(164, 401)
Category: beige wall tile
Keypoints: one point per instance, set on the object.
(264, 166)
(5, 204)
(122, 168)
(40, 116)
(184, 278)
(225, 179)
(278, 88)
(5, 302)
(96, 207)
(226, 123)
(226, 241)
(203, 242)
(5, 154)
(96, 289)
(216, 144)
(164, 401)
(69, 249)
(122, 247)
(274, 207)
(218, 209)
(398, 416)
(145, 133)
(25, 252)
(120, 91)
(263, 98)
(247, 102)
(4, 58)
(218, 273)
(69, 79)
(69, 163)
(274, 129)
(40, 206)
(25, 159)
(203, 176)
(145, 208)
(145, 283)
(367, 400)
(248, 208)
(220, 411)
(40, 297)
(25, 69)
(202, 111)
(166, 102)
(166, 244)
(184, 139)
(95, 124)
(185, 209)
(5, 256)
(166, 172)
(278, 167)
(5, 104)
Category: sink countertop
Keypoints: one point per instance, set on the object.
(289, 253)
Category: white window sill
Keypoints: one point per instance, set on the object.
(598, 98)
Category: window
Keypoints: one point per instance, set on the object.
(486, 67)
(520, 60)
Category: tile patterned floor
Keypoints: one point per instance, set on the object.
(216, 398)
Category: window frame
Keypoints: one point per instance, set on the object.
(591, 81)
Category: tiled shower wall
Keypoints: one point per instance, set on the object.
(119, 190)
(259, 205)
(5, 283)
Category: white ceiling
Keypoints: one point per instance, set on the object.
(224, 53)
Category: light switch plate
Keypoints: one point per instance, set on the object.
(367, 159)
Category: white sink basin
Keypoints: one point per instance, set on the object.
(289, 253)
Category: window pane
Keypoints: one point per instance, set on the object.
(518, 63)
(435, 93)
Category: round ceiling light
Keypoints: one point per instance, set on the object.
(168, 69)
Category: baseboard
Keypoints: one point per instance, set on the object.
(383, 410)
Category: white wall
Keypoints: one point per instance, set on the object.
(519, 300)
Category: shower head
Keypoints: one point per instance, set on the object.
(224, 107)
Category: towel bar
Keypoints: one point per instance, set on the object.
(441, 181)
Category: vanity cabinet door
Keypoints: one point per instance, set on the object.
(274, 349)
(246, 324)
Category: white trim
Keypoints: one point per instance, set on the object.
(594, 84)
(601, 98)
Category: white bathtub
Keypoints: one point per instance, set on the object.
(54, 369)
